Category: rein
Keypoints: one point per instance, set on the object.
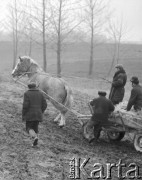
(49, 97)
(24, 75)
(20, 77)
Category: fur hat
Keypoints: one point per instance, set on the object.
(135, 80)
(32, 85)
(102, 93)
(120, 66)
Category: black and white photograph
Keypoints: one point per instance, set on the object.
(70, 89)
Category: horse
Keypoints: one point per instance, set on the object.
(56, 89)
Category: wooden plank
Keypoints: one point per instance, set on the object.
(130, 119)
(113, 128)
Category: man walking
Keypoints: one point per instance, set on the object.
(34, 105)
(101, 107)
(117, 88)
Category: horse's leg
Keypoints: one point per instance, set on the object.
(62, 121)
(57, 117)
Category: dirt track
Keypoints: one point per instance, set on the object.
(50, 161)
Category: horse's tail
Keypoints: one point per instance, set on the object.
(69, 97)
(68, 101)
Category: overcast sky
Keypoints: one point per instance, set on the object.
(130, 10)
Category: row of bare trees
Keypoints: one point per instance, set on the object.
(52, 22)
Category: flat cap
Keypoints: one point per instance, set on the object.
(32, 85)
(102, 93)
(135, 80)
(120, 66)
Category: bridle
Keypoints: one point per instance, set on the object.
(24, 73)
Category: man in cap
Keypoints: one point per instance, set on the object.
(34, 104)
(101, 108)
(135, 99)
(117, 88)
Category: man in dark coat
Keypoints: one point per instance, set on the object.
(34, 105)
(117, 89)
(102, 107)
(135, 99)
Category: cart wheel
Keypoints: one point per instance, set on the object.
(115, 136)
(138, 142)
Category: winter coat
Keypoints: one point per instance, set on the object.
(101, 108)
(117, 89)
(135, 98)
(34, 104)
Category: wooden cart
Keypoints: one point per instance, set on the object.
(128, 122)
(121, 122)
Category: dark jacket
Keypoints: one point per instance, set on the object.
(135, 98)
(101, 107)
(34, 105)
(117, 90)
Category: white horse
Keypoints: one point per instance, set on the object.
(56, 88)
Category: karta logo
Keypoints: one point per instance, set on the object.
(83, 167)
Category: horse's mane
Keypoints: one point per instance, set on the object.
(33, 62)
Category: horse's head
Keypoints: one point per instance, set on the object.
(22, 66)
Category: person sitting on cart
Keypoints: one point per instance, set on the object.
(101, 108)
(135, 99)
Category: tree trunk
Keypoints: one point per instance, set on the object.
(114, 58)
(44, 54)
(118, 52)
(15, 34)
(91, 45)
(59, 42)
(30, 46)
(14, 56)
(91, 64)
(59, 60)
(44, 42)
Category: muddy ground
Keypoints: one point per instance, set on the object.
(57, 146)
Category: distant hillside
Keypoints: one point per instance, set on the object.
(75, 57)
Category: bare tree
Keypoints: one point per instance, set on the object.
(14, 24)
(43, 35)
(35, 25)
(95, 18)
(117, 32)
(28, 29)
(41, 22)
(59, 39)
(14, 13)
(63, 23)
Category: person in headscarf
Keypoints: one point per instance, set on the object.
(34, 105)
(135, 99)
(117, 87)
